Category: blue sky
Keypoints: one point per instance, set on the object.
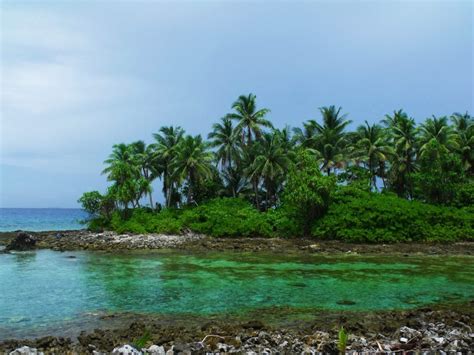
(79, 76)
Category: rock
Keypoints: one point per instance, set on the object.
(156, 350)
(126, 350)
(255, 324)
(26, 350)
(23, 241)
(346, 302)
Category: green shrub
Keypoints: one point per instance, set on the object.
(227, 217)
(146, 221)
(358, 216)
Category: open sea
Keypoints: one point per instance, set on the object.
(41, 219)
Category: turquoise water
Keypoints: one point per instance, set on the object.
(40, 219)
(45, 289)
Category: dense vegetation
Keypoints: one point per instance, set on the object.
(392, 181)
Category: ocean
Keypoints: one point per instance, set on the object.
(41, 219)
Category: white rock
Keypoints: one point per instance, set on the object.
(439, 340)
(26, 350)
(403, 340)
(156, 350)
(126, 350)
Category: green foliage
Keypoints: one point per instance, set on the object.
(342, 340)
(307, 192)
(358, 216)
(464, 195)
(206, 183)
(144, 221)
(227, 217)
(142, 341)
(91, 202)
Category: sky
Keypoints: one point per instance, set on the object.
(79, 76)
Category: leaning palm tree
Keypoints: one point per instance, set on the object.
(165, 149)
(223, 137)
(250, 121)
(371, 148)
(191, 163)
(270, 164)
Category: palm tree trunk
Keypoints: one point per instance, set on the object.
(255, 189)
(151, 201)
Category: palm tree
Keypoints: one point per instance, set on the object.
(235, 182)
(224, 138)
(192, 162)
(305, 136)
(270, 164)
(403, 137)
(330, 139)
(165, 149)
(123, 170)
(464, 131)
(371, 147)
(435, 132)
(250, 121)
(145, 157)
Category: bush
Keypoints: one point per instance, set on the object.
(227, 217)
(146, 221)
(358, 216)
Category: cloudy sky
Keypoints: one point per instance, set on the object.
(79, 76)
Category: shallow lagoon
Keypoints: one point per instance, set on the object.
(47, 289)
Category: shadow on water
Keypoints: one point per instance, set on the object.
(24, 260)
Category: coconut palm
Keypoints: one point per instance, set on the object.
(435, 132)
(191, 163)
(304, 137)
(402, 133)
(270, 164)
(123, 170)
(145, 157)
(235, 182)
(223, 137)
(330, 139)
(250, 121)
(165, 149)
(464, 135)
(371, 148)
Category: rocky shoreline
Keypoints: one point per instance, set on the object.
(440, 329)
(110, 241)
(425, 330)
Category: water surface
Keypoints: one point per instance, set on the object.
(47, 289)
(40, 219)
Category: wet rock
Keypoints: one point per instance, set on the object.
(346, 302)
(22, 242)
